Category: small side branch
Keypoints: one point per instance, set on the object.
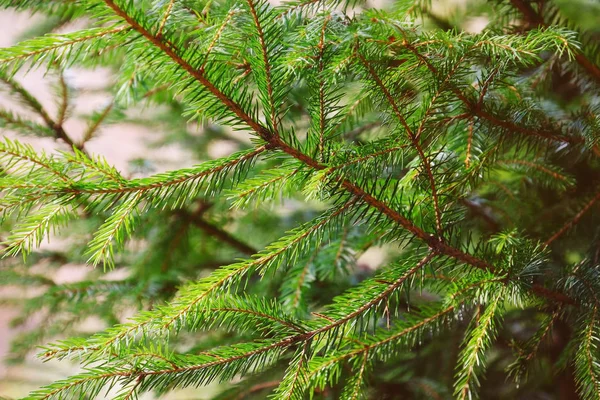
(573, 221)
(220, 234)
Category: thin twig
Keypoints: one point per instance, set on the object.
(220, 234)
(573, 221)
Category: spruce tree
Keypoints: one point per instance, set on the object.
(471, 158)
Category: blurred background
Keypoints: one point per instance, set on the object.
(132, 148)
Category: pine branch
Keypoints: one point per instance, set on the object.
(587, 365)
(443, 117)
(479, 111)
(197, 74)
(50, 47)
(536, 19)
(479, 339)
(275, 141)
(270, 102)
(165, 17)
(321, 67)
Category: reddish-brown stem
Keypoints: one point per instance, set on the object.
(573, 221)
(321, 47)
(414, 139)
(221, 235)
(265, 55)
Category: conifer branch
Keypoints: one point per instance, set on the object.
(274, 140)
(165, 17)
(35, 105)
(481, 113)
(142, 185)
(64, 104)
(197, 74)
(321, 67)
(445, 112)
(267, 66)
(534, 18)
(95, 125)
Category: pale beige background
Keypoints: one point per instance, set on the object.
(117, 143)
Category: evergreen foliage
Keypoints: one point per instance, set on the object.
(471, 158)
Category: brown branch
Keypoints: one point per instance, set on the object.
(220, 234)
(265, 55)
(165, 17)
(414, 138)
(321, 47)
(573, 221)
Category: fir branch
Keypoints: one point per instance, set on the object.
(321, 67)
(64, 104)
(536, 19)
(482, 113)
(96, 123)
(276, 141)
(353, 388)
(455, 115)
(479, 339)
(55, 126)
(49, 48)
(197, 74)
(165, 17)
(587, 365)
(270, 102)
